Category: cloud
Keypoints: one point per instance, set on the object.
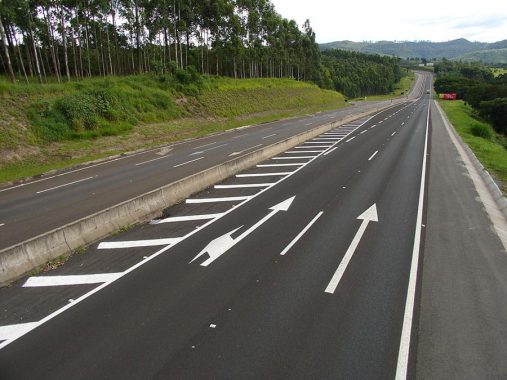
(484, 22)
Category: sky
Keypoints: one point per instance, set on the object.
(400, 20)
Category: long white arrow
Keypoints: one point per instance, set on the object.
(222, 244)
(368, 216)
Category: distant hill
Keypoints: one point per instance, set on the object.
(455, 49)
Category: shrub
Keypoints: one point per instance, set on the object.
(482, 130)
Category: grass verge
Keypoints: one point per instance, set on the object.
(490, 149)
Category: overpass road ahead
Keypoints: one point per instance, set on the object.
(35, 207)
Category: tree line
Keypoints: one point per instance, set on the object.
(74, 39)
(357, 74)
(477, 86)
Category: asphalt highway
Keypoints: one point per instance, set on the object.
(307, 268)
(31, 208)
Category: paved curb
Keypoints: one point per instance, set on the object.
(492, 186)
(19, 259)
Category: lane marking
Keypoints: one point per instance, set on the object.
(292, 157)
(66, 184)
(363, 132)
(213, 200)
(207, 150)
(352, 138)
(186, 218)
(307, 124)
(2, 224)
(246, 185)
(325, 138)
(406, 332)
(392, 134)
(373, 155)
(330, 151)
(237, 137)
(266, 137)
(203, 146)
(368, 216)
(305, 151)
(137, 243)
(11, 332)
(276, 165)
(303, 231)
(244, 150)
(311, 147)
(262, 174)
(154, 159)
(40, 281)
(153, 256)
(188, 162)
(403, 123)
(315, 142)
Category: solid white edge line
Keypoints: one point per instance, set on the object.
(404, 350)
(137, 243)
(153, 256)
(373, 155)
(80, 279)
(292, 157)
(66, 184)
(246, 185)
(265, 175)
(188, 162)
(303, 231)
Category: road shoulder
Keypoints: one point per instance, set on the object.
(463, 313)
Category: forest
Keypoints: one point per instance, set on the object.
(74, 39)
(357, 74)
(477, 86)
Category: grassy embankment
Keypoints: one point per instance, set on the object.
(488, 146)
(498, 71)
(45, 127)
(401, 88)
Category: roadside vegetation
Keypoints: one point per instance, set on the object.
(45, 127)
(488, 145)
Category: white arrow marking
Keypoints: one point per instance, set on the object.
(368, 216)
(244, 150)
(222, 244)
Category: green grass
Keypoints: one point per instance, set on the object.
(498, 71)
(401, 89)
(55, 126)
(491, 151)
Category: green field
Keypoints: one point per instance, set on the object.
(401, 89)
(45, 127)
(491, 152)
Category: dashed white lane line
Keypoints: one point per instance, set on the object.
(65, 184)
(276, 165)
(261, 174)
(188, 162)
(373, 155)
(186, 218)
(373, 126)
(245, 185)
(15, 331)
(392, 134)
(207, 150)
(213, 200)
(154, 159)
(362, 132)
(203, 146)
(292, 157)
(267, 137)
(137, 243)
(352, 138)
(307, 124)
(330, 151)
(303, 231)
(2, 224)
(41, 281)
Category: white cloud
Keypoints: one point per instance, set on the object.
(373, 20)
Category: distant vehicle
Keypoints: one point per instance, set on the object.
(427, 91)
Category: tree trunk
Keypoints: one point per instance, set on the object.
(22, 64)
(6, 53)
(64, 42)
